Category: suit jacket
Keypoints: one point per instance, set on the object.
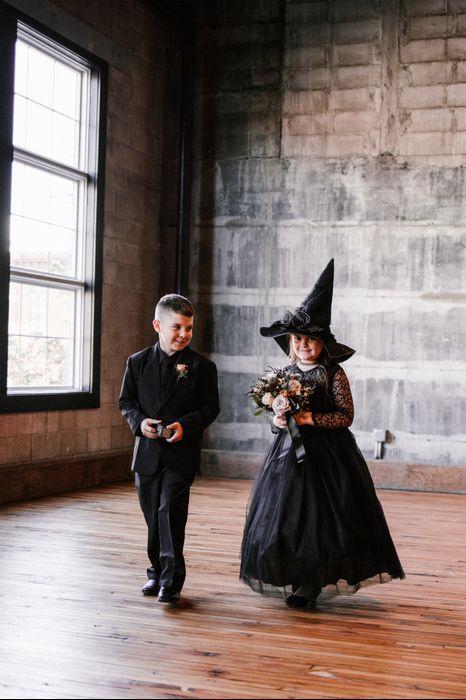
(191, 400)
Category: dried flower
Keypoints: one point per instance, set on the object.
(267, 399)
(281, 404)
(182, 371)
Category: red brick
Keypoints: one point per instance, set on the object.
(130, 159)
(456, 95)
(121, 437)
(39, 423)
(110, 415)
(88, 418)
(99, 439)
(354, 32)
(44, 446)
(121, 251)
(10, 425)
(423, 50)
(53, 420)
(117, 177)
(107, 392)
(15, 449)
(418, 97)
(430, 120)
(72, 442)
(67, 419)
(119, 83)
(428, 27)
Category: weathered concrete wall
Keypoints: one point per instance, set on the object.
(337, 128)
(142, 50)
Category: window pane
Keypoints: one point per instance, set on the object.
(64, 139)
(33, 311)
(43, 231)
(40, 77)
(66, 91)
(21, 67)
(51, 204)
(47, 105)
(41, 336)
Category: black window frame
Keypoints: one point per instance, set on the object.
(30, 402)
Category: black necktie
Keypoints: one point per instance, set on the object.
(165, 374)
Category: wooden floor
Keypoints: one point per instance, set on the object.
(74, 624)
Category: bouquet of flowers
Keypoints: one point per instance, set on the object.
(279, 391)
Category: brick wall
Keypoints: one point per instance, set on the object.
(336, 128)
(140, 106)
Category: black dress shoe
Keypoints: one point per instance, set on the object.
(297, 601)
(168, 595)
(151, 587)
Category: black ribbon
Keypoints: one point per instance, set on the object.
(296, 438)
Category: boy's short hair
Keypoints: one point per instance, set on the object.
(175, 303)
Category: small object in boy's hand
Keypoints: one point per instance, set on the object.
(164, 432)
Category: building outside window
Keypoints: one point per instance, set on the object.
(52, 168)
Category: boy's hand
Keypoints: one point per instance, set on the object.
(178, 434)
(148, 429)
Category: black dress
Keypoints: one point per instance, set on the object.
(316, 522)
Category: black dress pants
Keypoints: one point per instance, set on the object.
(164, 500)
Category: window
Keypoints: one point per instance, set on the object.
(51, 169)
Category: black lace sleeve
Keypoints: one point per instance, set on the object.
(343, 415)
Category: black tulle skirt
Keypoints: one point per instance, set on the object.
(317, 523)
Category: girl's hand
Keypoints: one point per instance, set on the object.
(279, 421)
(303, 418)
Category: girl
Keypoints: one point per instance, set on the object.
(314, 521)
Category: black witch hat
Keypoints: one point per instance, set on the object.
(312, 318)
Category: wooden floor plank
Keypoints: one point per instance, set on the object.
(75, 625)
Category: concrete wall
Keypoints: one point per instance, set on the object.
(336, 128)
(142, 50)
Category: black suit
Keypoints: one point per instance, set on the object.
(164, 472)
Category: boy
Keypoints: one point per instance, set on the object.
(169, 396)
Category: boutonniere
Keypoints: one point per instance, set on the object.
(182, 371)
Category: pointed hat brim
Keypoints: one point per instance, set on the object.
(337, 352)
(312, 318)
